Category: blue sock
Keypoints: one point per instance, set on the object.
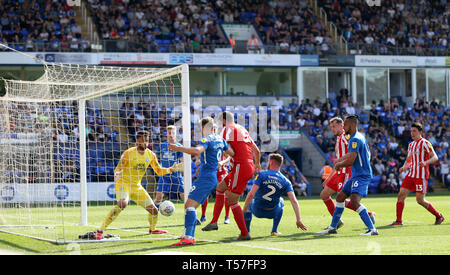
(362, 211)
(337, 214)
(190, 221)
(248, 219)
(276, 220)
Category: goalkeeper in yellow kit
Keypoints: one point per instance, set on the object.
(127, 177)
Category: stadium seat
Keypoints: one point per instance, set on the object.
(374, 185)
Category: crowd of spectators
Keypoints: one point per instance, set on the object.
(60, 122)
(158, 26)
(283, 26)
(414, 27)
(40, 25)
(386, 126)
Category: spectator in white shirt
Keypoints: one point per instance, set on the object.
(278, 102)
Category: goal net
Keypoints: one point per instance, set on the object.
(62, 135)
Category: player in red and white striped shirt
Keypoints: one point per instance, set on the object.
(420, 155)
(336, 180)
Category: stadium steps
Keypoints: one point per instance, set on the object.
(85, 21)
(122, 138)
(332, 29)
(438, 186)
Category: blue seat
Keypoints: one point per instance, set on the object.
(374, 184)
(382, 145)
(20, 48)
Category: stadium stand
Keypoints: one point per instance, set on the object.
(40, 26)
(405, 27)
(396, 27)
(386, 127)
(160, 26)
(195, 26)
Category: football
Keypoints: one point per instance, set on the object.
(166, 208)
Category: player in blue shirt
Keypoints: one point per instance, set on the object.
(210, 149)
(264, 199)
(171, 183)
(358, 157)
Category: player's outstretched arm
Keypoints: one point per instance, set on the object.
(296, 208)
(407, 164)
(433, 158)
(160, 171)
(225, 161)
(229, 152)
(250, 197)
(343, 158)
(123, 162)
(187, 150)
(257, 154)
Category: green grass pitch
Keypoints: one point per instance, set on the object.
(418, 235)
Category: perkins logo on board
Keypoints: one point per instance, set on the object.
(7, 193)
(61, 192)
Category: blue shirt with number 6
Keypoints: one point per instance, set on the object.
(361, 166)
(361, 169)
(272, 185)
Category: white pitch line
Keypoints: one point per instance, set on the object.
(236, 244)
(262, 247)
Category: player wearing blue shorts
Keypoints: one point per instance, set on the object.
(264, 199)
(358, 157)
(210, 149)
(171, 184)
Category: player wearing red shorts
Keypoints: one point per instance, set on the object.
(335, 182)
(420, 155)
(242, 170)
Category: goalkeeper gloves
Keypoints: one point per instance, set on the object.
(177, 167)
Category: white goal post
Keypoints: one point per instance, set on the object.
(51, 178)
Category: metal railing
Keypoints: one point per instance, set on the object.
(90, 26)
(340, 41)
(383, 49)
(113, 45)
(131, 46)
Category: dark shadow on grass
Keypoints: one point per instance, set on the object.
(161, 247)
(22, 248)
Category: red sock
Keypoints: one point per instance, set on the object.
(432, 210)
(329, 203)
(400, 206)
(204, 205)
(239, 218)
(220, 198)
(349, 205)
(227, 207)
